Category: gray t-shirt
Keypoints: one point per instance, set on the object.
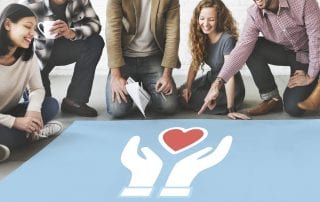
(143, 44)
(217, 51)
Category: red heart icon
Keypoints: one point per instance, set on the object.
(177, 139)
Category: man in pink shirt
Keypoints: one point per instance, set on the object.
(277, 32)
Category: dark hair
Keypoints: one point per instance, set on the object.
(14, 12)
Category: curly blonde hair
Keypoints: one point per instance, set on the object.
(198, 40)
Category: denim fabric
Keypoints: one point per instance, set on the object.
(200, 89)
(146, 70)
(267, 52)
(14, 138)
(86, 54)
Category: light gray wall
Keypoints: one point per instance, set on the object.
(238, 8)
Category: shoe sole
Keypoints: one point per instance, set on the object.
(6, 153)
(67, 111)
(271, 111)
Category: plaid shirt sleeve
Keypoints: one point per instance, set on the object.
(81, 17)
(242, 50)
(88, 23)
(312, 22)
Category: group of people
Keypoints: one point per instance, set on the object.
(142, 39)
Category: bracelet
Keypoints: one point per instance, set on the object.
(232, 109)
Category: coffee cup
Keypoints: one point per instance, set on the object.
(44, 27)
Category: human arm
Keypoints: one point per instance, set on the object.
(88, 23)
(171, 45)
(29, 125)
(61, 29)
(36, 94)
(114, 50)
(312, 21)
(118, 86)
(234, 62)
(83, 20)
(242, 50)
(113, 34)
(212, 95)
(186, 91)
(230, 93)
(165, 82)
(172, 37)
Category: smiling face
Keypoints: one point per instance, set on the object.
(22, 32)
(208, 20)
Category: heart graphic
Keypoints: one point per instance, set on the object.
(177, 139)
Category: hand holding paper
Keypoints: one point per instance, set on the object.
(139, 96)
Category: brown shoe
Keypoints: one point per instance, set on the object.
(313, 101)
(273, 105)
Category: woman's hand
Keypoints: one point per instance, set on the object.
(186, 94)
(28, 124)
(210, 100)
(237, 115)
(36, 115)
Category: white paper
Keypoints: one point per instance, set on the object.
(139, 96)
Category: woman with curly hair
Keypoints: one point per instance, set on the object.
(213, 35)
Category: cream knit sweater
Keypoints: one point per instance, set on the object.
(14, 79)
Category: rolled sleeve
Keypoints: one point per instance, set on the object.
(36, 89)
(7, 120)
(88, 25)
(312, 21)
(113, 34)
(172, 38)
(243, 49)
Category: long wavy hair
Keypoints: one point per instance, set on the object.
(198, 41)
(14, 12)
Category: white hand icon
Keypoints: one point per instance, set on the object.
(185, 171)
(144, 171)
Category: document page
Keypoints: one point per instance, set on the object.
(139, 96)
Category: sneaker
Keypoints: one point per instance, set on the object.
(50, 129)
(4, 152)
(71, 107)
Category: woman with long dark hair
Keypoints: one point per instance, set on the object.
(213, 35)
(22, 122)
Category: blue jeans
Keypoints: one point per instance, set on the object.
(200, 89)
(148, 71)
(267, 52)
(14, 138)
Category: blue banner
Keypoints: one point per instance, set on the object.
(173, 161)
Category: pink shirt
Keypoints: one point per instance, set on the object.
(295, 26)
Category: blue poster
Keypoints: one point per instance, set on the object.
(173, 161)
